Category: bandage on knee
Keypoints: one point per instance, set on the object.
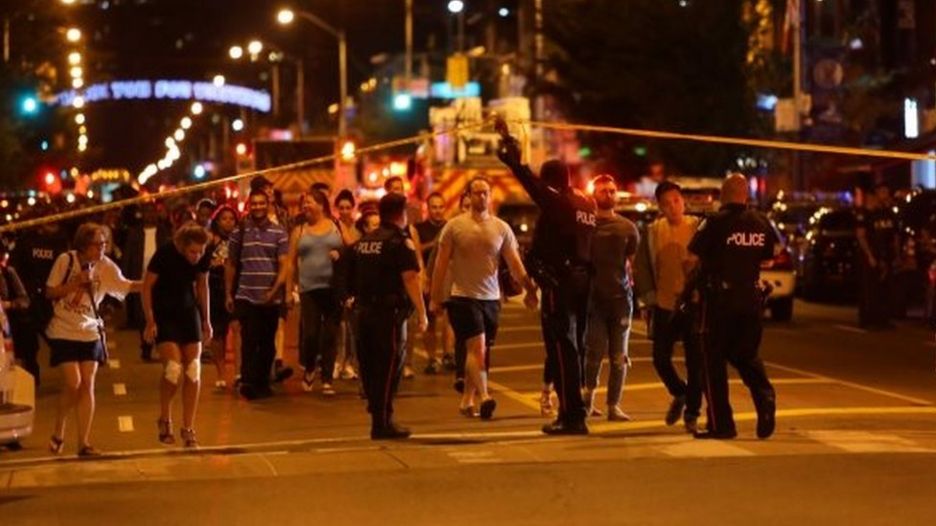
(193, 371)
(172, 372)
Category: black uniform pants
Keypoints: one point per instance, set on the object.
(25, 332)
(379, 332)
(874, 302)
(258, 342)
(564, 318)
(732, 334)
(668, 327)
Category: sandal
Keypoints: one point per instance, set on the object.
(89, 451)
(165, 431)
(56, 445)
(188, 437)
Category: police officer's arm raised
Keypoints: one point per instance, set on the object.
(509, 153)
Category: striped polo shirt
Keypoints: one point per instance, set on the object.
(263, 245)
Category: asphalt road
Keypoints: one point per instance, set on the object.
(855, 443)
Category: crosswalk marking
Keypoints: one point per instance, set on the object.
(475, 457)
(120, 389)
(125, 424)
(866, 442)
(705, 449)
(113, 363)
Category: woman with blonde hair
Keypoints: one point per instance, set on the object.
(178, 319)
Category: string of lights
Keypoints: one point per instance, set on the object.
(172, 142)
(76, 71)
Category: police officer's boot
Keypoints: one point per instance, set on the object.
(388, 431)
(561, 427)
(766, 418)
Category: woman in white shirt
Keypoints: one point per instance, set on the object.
(78, 277)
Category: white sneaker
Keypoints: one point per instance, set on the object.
(220, 385)
(328, 390)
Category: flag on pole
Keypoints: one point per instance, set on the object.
(791, 22)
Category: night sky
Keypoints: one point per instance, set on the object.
(189, 39)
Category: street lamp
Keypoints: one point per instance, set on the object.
(73, 34)
(254, 47)
(286, 17)
(276, 55)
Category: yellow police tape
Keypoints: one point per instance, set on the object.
(197, 187)
(737, 141)
(652, 134)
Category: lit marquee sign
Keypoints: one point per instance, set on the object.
(171, 89)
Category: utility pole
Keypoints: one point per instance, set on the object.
(798, 99)
(408, 67)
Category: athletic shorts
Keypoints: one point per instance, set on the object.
(470, 317)
(181, 327)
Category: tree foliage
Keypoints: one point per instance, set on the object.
(656, 64)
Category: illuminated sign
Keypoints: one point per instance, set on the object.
(170, 89)
(444, 90)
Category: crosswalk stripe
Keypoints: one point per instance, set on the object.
(866, 442)
(125, 424)
(120, 389)
(113, 363)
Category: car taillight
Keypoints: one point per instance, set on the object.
(782, 261)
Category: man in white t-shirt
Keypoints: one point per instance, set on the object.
(473, 244)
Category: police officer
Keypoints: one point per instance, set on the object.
(560, 261)
(731, 246)
(383, 278)
(876, 230)
(33, 256)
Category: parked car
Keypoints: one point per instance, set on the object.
(828, 261)
(917, 215)
(780, 273)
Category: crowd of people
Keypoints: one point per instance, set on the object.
(367, 279)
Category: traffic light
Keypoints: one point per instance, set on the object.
(49, 180)
(402, 101)
(29, 105)
(348, 151)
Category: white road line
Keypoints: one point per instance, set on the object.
(519, 328)
(120, 389)
(534, 395)
(866, 442)
(527, 345)
(539, 366)
(125, 424)
(850, 328)
(113, 363)
(866, 388)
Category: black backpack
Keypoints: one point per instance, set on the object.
(44, 308)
